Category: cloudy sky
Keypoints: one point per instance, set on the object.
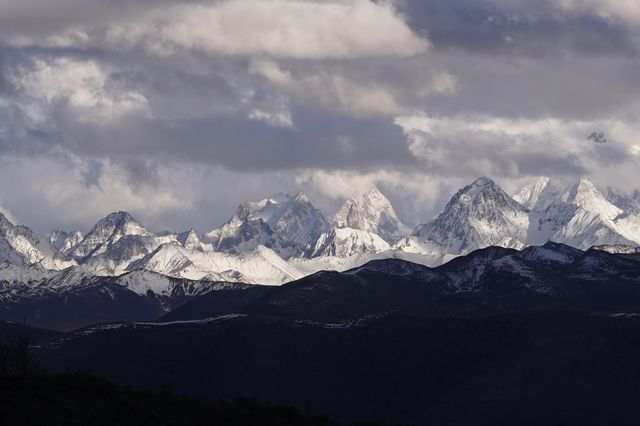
(179, 110)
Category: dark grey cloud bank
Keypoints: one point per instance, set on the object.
(181, 110)
(521, 28)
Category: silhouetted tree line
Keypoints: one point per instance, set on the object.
(29, 395)
(16, 359)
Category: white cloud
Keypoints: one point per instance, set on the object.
(277, 119)
(331, 90)
(443, 83)
(301, 29)
(84, 85)
(295, 29)
(54, 192)
(495, 146)
(352, 92)
(68, 201)
(186, 61)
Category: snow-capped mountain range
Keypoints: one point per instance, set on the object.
(284, 238)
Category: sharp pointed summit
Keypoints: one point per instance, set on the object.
(107, 232)
(538, 195)
(371, 212)
(584, 194)
(190, 240)
(302, 198)
(479, 215)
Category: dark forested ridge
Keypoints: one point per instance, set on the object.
(548, 367)
(80, 400)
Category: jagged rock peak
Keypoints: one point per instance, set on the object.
(479, 215)
(183, 236)
(483, 181)
(481, 186)
(584, 194)
(289, 225)
(117, 218)
(302, 198)
(578, 189)
(5, 222)
(107, 231)
(190, 240)
(63, 241)
(533, 196)
(117, 224)
(371, 212)
(485, 188)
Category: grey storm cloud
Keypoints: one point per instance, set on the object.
(513, 27)
(183, 98)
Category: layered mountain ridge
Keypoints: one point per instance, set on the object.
(284, 238)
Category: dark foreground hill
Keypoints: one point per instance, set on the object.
(80, 400)
(485, 282)
(535, 368)
(544, 336)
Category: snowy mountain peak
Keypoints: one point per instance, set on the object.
(123, 222)
(283, 237)
(483, 181)
(479, 215)
(302, 198)
(481, 187)
(108, 231)
(21, 246)
(537, 195)
(116, 219)
(584, 194)
(190, 240)
(371, 212)
(63, 241)
(270, 210)
(374, 192)
(279, 198)
(485, 189)
(288, 225)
